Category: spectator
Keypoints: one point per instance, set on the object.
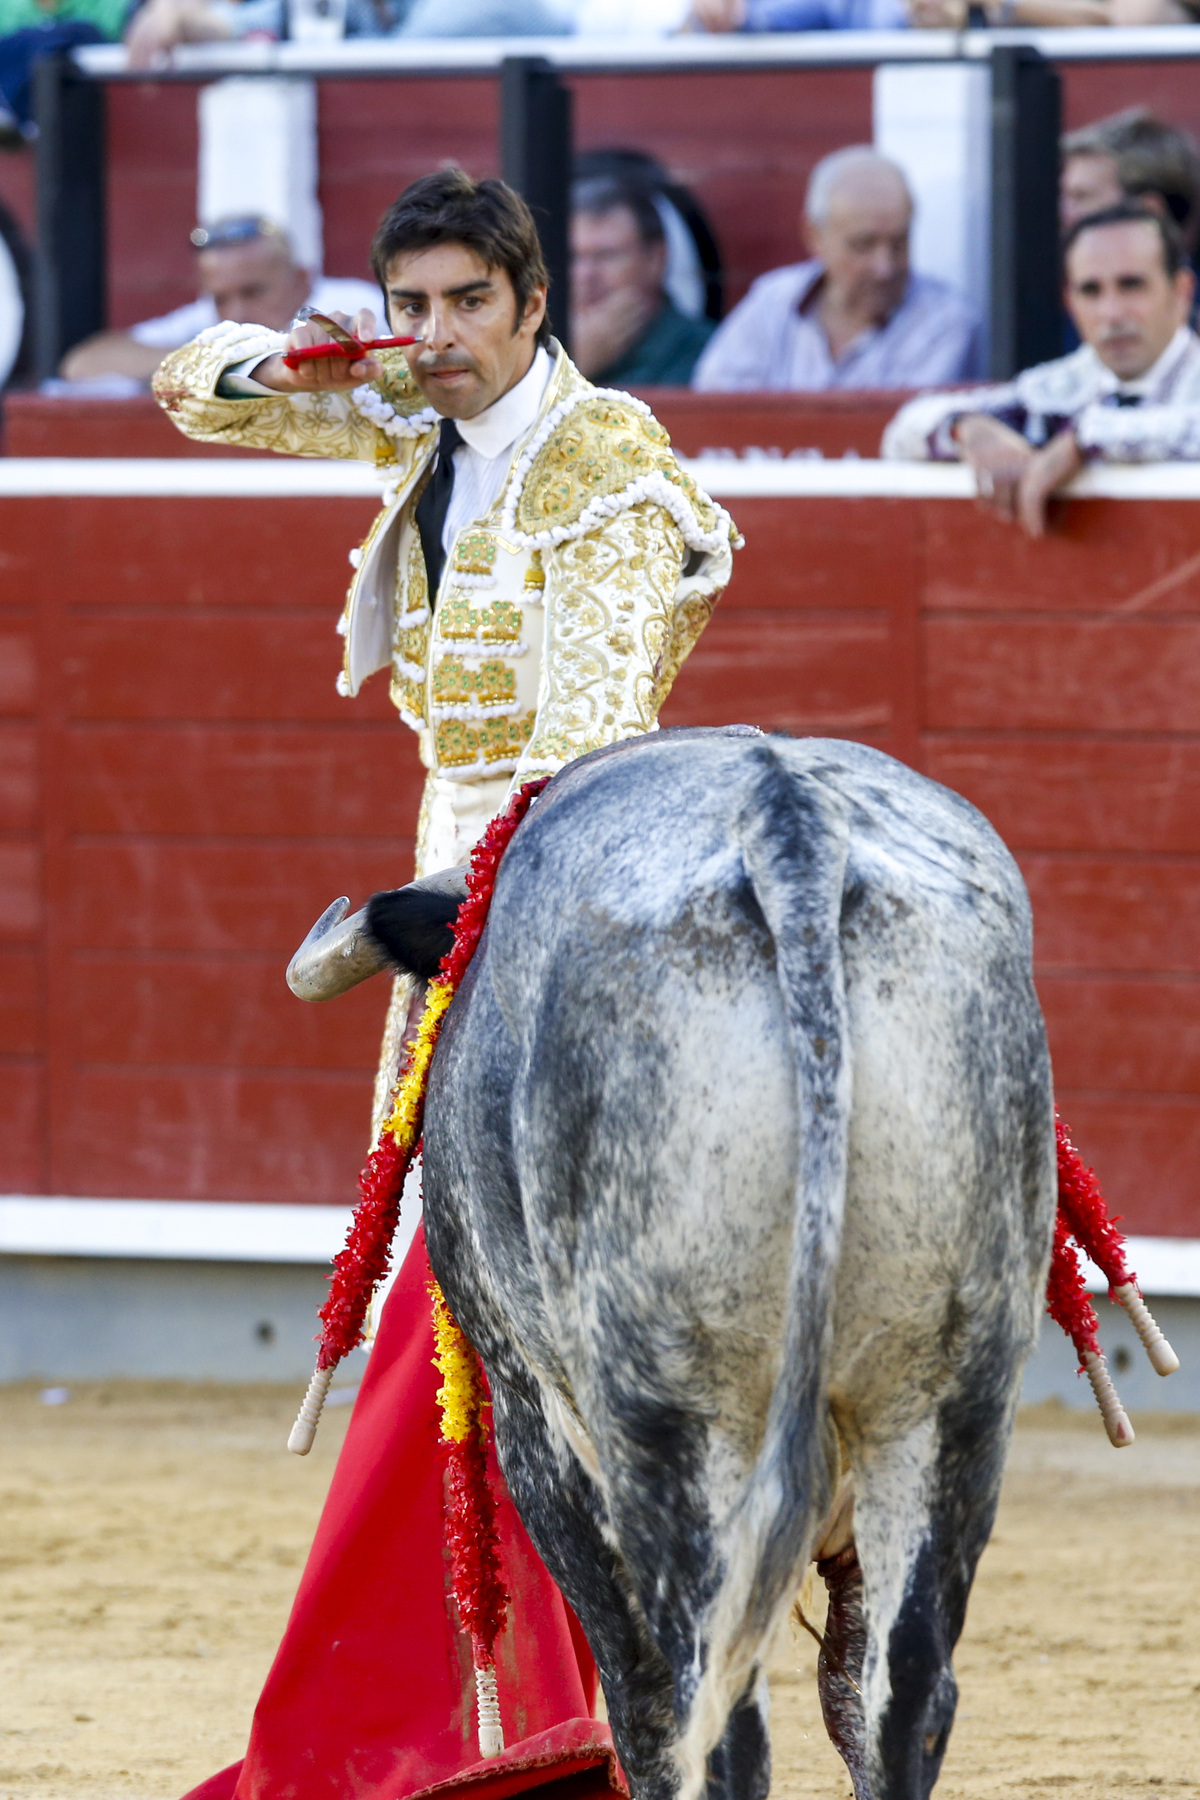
(1131, 156)
(31, 29)
(1130, 393)
(247, 273)
(161, 24)
(951, 15)
(853, 316)
(625, 329)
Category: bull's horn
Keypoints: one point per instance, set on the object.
(336, 955)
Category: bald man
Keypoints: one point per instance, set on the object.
(854, 315)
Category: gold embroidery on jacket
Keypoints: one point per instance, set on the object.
(499, 623)
(490, 683)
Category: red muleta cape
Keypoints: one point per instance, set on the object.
(371, 1695)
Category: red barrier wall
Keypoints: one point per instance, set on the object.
(181, 791)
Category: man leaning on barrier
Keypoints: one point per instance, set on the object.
(1129, 394)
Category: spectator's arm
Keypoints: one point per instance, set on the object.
(1139, 434)
(924, 429)
(158, 26)
(951, 15)
(110, 353)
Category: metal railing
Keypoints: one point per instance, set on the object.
(535, 139)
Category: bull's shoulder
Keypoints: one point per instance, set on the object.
(597, 452)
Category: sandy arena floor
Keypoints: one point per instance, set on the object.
(152, 1536)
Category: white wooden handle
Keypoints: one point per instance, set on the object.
(1163, 1359)
(1116, 1419)
(305, 1429)
(491, 1732)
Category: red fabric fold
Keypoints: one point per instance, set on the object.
(371, 1695)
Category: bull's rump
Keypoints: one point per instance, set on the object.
(624, 1050)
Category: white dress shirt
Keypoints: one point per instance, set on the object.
(483, 459)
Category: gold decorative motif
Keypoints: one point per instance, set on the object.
(601, 446)
(408, 697)
(475, 553)
(490, 683)
(535, 575)
(460, 745)
(459, 621)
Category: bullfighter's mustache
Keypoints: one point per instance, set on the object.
(431, 364)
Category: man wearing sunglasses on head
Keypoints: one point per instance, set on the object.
(248, 273)
(541, 567)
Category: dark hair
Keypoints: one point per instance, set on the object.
(600, 194)
(1151, 157)
(487, 217)
(1128, 212)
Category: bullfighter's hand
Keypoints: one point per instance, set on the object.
(323, 374)
(1047, 470)
(999, 457)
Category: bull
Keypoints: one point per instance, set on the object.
(740, 1175)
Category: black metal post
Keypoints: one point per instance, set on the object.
(1027, 319)
(535, 158)
(70, 264)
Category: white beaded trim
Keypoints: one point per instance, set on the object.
(460, 578)
(468, 710)
(251, 340)
(480, 647)
(418, 616)
(468, 771)
(654, 486)
(343, 684)
(414, 671)
(409, 719)
(382, 413)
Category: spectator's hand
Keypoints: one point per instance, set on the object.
(161, 24)
(332, 374)
(937, 15)
(1045, 472)
(717, 15)
(999, 457)
(600, 334)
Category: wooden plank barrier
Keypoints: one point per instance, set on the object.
(182, 791)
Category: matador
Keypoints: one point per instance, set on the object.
(539, 570)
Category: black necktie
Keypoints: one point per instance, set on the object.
(432, 506)
(1127, 399)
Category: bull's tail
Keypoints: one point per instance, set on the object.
(794, 838)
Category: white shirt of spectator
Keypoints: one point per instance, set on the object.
(1153, 419)
(330, 293)
(769, 341)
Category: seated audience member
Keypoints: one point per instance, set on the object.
(951, 15)
(798, 15)
(247, 273)
(625, 329)
(854, 316)
(161, 24)
(1130, 393)
(1131, 156)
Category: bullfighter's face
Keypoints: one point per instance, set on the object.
(473, 340)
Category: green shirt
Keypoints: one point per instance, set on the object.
(665, 354)
(107, 16)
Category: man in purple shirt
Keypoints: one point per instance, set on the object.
(855, 316)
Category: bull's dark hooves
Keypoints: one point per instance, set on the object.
(741, 731)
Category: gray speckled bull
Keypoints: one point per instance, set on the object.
(739, 1172)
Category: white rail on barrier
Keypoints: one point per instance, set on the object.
(729, 477)
(231, 1231)
(693, 51)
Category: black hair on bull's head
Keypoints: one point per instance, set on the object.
(414, 925)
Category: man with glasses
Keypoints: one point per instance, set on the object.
(248, 274)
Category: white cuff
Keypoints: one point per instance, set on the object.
(237, 382)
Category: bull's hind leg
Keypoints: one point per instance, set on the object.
(924, 1509)
(561, 1511)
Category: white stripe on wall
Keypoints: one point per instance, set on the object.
(725, 476)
